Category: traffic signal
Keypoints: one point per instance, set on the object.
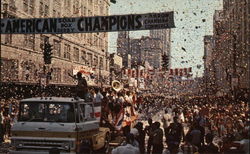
(47, 53)
(165, 62)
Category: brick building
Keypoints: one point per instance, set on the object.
(22, 56)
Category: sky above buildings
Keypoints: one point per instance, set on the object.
(193, 19)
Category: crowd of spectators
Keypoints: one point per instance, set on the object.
(8, 113)
(195, 125)
(186, 125)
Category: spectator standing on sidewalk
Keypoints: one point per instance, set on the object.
(1, 128)
(7, 125)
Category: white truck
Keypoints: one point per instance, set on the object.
(58, 125)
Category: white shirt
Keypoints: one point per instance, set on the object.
(120, 100)
(126, 149)
(98, 97)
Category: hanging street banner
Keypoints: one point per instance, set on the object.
(88, 24)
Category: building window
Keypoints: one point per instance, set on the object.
(67, 3)
(8, 38)
(29, 41)
(56, 75)
(76, 54)
(25, 6)
(57, 48)
(84, 11)
(83, 57)
(66, 77)
(28, 6)
(88, 38)
(31, 6)
(41, 7)
(76, 7)
(95, 61)
(46, 11)
(90, 57)
(66, 51)
(29, 71)
(95, 40)
(12, 6)
(101, 65)
(54, 13)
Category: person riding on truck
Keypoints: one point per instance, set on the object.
(82, 86)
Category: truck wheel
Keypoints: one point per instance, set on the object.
(106, 146)
(86, 148)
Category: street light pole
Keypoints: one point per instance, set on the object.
(100, 75)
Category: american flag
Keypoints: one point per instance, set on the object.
(119, 120)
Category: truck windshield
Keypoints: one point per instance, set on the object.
(46, 112)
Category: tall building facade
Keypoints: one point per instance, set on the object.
(141, 50)
(165, 36)
(124, 47)
(22, 56)
(232, 42)
(151, 51)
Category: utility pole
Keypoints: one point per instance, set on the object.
(100, 75)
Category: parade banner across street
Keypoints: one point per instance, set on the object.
(88, 24)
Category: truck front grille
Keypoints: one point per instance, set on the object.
(42, 144)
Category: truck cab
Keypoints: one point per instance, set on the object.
(57, 125)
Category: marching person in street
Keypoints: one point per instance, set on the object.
(141, 137)
(157, 139)
(195, 134)
(175, 133)
(187, 147)
(149, 132)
